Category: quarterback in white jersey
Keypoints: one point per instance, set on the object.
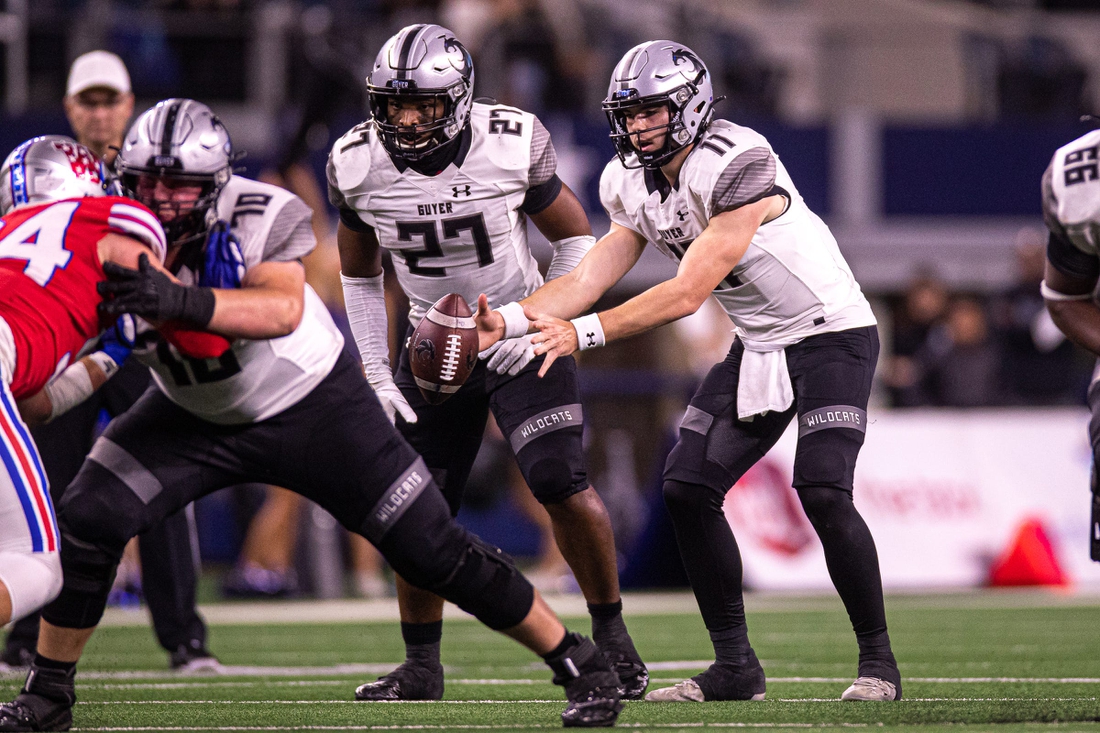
(448, 185)
(714, 196)
(1071, 209)
(283, 405)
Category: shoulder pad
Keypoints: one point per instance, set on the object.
(504, 133)
(717, 154)
(128, 217)
(1074, 194)
(349, 161)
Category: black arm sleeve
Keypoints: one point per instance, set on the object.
(1071, 261)
(540, 196)
(352, 221)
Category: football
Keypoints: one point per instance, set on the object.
(443, 348)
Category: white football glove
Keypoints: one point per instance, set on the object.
(508, 356)
(392, 400)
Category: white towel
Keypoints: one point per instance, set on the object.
(764, 384)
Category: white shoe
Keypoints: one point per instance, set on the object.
(686, 691)
(873, 689)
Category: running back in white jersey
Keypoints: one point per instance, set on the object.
(1071, 194)
(254, 379)
(791, 283)
(463, 230)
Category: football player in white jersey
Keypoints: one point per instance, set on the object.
(714, 196)
(447, 185)
(1071, 208)
(277, 401)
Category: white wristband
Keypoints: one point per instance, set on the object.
(589, 331)
(1050, 294)
(515, 323)
(105, 362)
(69, 389)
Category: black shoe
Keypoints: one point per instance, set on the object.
(16, 657)
(194, 658)
(410, 681)
(45, 703)
(744, 681)
(628, 665)
(591, 687)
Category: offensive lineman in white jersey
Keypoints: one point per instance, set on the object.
(447, 185)
(1071, 209)
(714, 196)
(284, 404)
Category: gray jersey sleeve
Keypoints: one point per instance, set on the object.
(544, 159)
(1050, 203)
(291, 235)
(749, 177)
(335, 195)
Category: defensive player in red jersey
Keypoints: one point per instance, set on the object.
(57, 230)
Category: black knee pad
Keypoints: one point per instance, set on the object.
(827, 458)
(486, 584)
(681, 496)
(89, 573)
(553, 465)
(824, 505)
(429, 549)
(551, 481)
(98, 509)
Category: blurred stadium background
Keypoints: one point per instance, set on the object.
(918, 128)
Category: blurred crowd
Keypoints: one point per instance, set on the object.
(957, 349)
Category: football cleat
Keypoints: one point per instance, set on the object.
(16, 658)
(194, 658)
(628, 665)
(591, 687)
(719, 682)
(44, 704)
(871, 689)
(408, 682)
(686, 691)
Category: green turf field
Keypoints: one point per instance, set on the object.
(1006, 661)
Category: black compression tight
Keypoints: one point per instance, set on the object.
(713, 560)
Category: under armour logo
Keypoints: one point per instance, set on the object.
(591, 337)
(464, 190)
(682, 214)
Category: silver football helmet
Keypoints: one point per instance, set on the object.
(178, 143)
(421, 62)
(49, 168)
(655, 73)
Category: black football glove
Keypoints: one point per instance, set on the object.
(151, 294)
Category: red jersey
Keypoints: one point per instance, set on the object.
(49, 268)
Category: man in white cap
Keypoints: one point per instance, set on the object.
(98, 102)
(99, 105)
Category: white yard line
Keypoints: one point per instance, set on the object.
(555, 702)
(175, 680)
(529, 726)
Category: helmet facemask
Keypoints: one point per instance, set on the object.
(184, 219)
(677, 136)
(412, 143)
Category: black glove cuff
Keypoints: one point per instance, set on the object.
(198, 306)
